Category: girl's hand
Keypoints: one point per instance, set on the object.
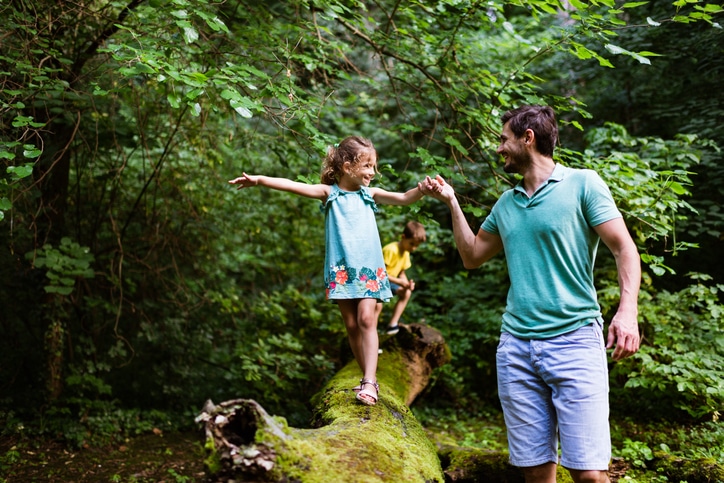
(245, 181)
(437, 188)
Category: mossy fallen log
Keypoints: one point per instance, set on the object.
(348, 441)
(470, 465)
(473, 465)
(699, 470)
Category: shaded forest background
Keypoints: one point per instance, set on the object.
(136, 283)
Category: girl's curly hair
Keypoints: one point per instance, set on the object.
(352, 149)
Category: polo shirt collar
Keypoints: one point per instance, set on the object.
(557, 175)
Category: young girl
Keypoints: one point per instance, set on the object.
(354, 275)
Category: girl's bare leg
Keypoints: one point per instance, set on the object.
(348, 308)
(360, 321)
(370, 342)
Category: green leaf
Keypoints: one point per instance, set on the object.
(616, 50)
(230, 94)
(640, 58)
(240, 108)
(32, 152)
(677, 188)
(58, 289)
(20, 172)
(194, 93)
(711, 8)
(582, 52)
(191, 35)
(141, 68)
(174, 100)
(21, 121)
(456, 144)
(241, 104)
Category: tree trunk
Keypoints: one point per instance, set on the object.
(349, 442)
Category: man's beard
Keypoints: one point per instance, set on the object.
(517, 163)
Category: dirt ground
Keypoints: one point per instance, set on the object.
(157, 458)
(152, 458)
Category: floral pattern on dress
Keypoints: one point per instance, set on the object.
(345, 279)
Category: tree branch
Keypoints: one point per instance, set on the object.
(100, 40)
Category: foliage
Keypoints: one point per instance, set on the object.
(82, 423)
(642, 443)
(650, 178)
(677, 92)
(63, 265)
(121, 123)
(466, 308)
(482, 427)
(637, 453)
(672, 369)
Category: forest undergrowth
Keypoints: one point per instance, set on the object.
(176, 456)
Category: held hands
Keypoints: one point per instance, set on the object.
(437, 188)
(245, 181)
(624, 333)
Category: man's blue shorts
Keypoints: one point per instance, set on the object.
(557, 387)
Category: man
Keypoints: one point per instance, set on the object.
(551, 359)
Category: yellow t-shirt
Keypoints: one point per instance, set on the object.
(394, 261)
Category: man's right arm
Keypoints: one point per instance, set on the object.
(474, 249)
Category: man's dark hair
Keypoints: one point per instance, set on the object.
(539, 119)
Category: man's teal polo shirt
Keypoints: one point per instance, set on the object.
(550, 247)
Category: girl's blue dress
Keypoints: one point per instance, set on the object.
(354, 266)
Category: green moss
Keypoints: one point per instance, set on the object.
(702, 470)
(563, 475)
(373, 443)
(473, 464)
(212, 463)
(350, 441)
(379, 440)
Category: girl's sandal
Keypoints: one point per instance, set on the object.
(366, 396)
(359, 388)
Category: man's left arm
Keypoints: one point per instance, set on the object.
(623, 330)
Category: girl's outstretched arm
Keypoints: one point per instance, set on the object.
(316, 191)
(394, 198)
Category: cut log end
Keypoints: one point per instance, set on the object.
(233, 449)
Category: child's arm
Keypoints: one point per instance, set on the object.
(401, 280)
(317, 191)
(385, 197)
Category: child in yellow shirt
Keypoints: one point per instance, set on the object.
(397, 260)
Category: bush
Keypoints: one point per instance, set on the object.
(679, 365)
